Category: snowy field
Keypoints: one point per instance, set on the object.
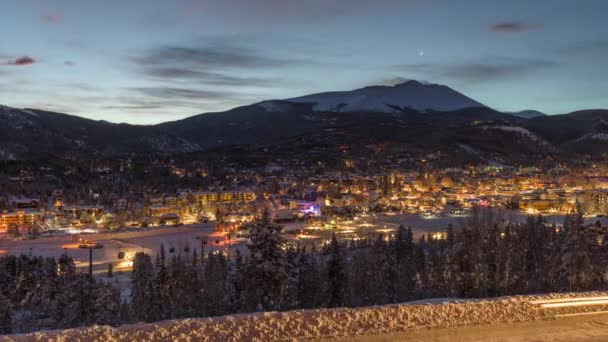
(176, 239)
(381, 321)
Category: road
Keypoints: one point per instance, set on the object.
(592, 328)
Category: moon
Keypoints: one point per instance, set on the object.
(421, 52)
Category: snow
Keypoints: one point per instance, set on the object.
(275, 106)
(527, 114)
(519, 130)
(469, 149)
(331, 323)
(594, 136)
(411, 94)
(15, 118)
(27, 111)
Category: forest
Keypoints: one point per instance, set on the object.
(486, 257)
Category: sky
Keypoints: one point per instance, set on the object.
(150, 61)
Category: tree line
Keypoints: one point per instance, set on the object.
(484, 258)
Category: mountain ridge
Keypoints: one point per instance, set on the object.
(26, 133)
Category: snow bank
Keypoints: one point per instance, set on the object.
(324, 323)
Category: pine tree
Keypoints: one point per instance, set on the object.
(492, 260)
(106, 305)
(362, 284)
(290, 293)
(336, 275)
(439, 270)
(145, 304)
(309, 281)
(6, 324)
(577, 259)
(215, 285)
(552, 259)
(74, 304)
(235, 294)
(505, 260)
(404, 251)
(266, 268)
(422, 268)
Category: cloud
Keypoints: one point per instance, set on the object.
(224, 70)
(183, 93)
(210, 78)
(226, 63)
(212, 55)
(21, 61)
(69, 63)
(485, 70)
(287, 11)
(51, 18)
(590, 47)
(514, 26)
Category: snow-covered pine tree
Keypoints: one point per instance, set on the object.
(309, 281)
(266, 267)
(144, 299)
(336, 275)
(492, 261)
(362, 284)
(106, 305)
(290, 293)
(235, 286)
(577, 265)
(6, 322)
(214, 298)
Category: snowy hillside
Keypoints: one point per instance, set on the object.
(16, 119)
(408, 95)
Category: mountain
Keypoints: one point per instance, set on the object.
(579, 128)
(411, 95)
(32, 132)
(449, 122)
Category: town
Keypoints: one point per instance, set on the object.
(312, 202)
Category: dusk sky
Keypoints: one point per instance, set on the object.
(148, 61)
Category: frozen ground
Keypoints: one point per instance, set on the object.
(148, 241)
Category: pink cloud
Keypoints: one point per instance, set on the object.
(21, 61)
(515, 26)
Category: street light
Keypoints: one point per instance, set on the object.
(204, 240)
(90, 246)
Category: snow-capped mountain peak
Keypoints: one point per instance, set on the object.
(408, 95)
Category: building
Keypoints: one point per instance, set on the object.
(224, 197)
(22, 219)
(305, 208)
(24, 203)
(164, 214)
